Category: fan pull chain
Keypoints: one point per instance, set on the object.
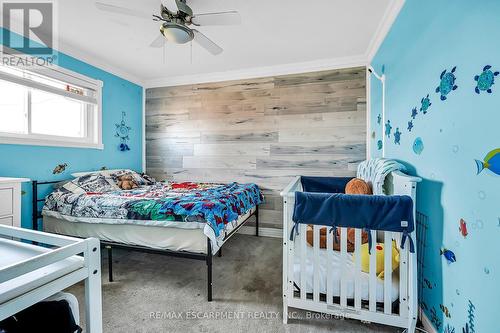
(191, 46)
(164, 53)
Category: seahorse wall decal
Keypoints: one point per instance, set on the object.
(471, 316)
(449, 329)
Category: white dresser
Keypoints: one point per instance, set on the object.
(10, 200)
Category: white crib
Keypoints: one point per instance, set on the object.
(341, 288)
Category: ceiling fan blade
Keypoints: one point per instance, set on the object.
(222, 18)
(181, 5)
(206, 43)
(171, 5)
(158, 41)
(121, 10)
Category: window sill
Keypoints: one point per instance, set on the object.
(50, 143)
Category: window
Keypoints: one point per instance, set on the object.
(50, 106)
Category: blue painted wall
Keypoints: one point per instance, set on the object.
(428, 37)
(37, 162)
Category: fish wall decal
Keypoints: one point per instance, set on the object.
(491, 161)
(449, 255)
(463, 228)
(418, 146)
(445, 310)
(60, 168)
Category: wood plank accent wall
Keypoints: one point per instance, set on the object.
(264, 130)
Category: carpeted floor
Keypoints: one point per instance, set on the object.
(155, 293)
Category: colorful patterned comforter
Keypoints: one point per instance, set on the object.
(215, 204)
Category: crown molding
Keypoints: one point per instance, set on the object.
(89, 58)
(383, 28)
(258, 72)
(97, 62)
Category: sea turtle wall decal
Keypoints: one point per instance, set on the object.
(485, 80)
(388, 128)
(122, 132)
(410, 125)
(425, 104)
(414, 113)
(397, 136)
(447, 83)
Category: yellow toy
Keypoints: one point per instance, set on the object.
(379, 248)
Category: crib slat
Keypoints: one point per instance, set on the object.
(316, 247)
(372, 306)
(343, 270)
(329, 268)
(388, 272)
(403, 280)
(303, 257)
(357, 268)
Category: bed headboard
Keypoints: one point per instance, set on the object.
(36, 185)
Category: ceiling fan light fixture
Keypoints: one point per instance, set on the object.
(176, 33)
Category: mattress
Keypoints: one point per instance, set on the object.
(350, 269)
(190, 238)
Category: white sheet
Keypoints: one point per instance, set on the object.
(336, 276)
(175, 239)
(191, 239)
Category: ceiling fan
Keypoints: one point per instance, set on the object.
(176, 19)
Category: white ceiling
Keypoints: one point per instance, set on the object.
(272, 33)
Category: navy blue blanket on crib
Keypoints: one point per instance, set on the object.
(369, 212)
(324, 184)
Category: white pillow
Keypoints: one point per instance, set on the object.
(105, 173)
(114, 175)
(91, 183)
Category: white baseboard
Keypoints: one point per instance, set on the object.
(427, 323)
(265, 232)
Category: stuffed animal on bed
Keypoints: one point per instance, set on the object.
(336, 244)
(357, 186)
(127, 182)
(380, 255)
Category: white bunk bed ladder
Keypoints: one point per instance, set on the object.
(345, 292)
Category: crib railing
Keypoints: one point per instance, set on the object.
(348, 291)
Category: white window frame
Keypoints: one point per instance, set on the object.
(93, 128)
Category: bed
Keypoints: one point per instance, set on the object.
(186, 219)
(31, 273)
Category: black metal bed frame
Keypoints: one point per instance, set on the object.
(37, 215)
